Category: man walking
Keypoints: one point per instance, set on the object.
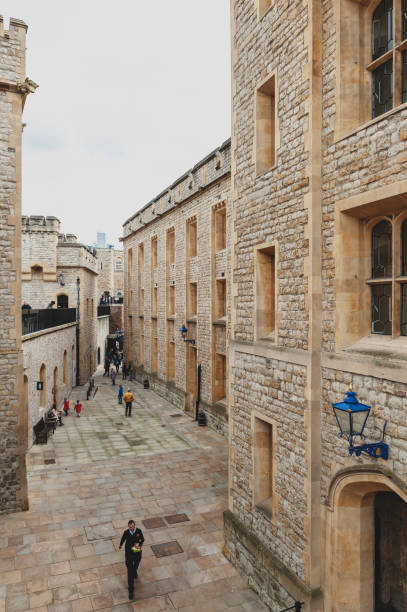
(128, 399)
(134, 541)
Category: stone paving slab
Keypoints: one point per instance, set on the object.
(62, 555)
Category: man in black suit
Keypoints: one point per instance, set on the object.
(134, 541)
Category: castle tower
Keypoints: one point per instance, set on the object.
(14, 88)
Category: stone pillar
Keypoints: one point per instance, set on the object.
(14, 88)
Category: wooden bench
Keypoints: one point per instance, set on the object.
(41, 432)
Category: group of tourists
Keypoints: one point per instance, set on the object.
(77, 407)
(113, 361)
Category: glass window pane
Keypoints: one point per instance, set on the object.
(382, 89)
(404, 18)
(404, 76)
(404, 248)
(382, 250)
(381, 309)
(382, 29)
(404, 310)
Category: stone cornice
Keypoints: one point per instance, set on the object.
(19, 87)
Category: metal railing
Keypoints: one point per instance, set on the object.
(37, 320)
(103, 311)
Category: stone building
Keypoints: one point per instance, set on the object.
(110, 272)
(319, 197)
(52, 264)
(176, 259)
(14, 87)
(49, 358)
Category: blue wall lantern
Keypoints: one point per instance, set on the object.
(184, 332)
(351, 417)
(61, 279)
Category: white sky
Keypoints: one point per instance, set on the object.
(131, 94)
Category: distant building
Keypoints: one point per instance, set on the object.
(100, 240)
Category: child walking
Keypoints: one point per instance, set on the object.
(120, 394)
(78, 408)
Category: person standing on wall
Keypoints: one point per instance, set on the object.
(133, 536)
(128, 400)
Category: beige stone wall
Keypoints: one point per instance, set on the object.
(195, 197)
(62, 254)
(110, 271)
(13, 426)
(48, 347)
(118, 286)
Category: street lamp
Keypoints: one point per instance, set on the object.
(351, 417)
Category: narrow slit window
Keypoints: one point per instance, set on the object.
(263, 463)
(265, 292)
(265, 126)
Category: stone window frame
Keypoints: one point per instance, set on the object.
(267, 88)
(268, 505)
(354, 95)
(272, 336)
(355, 219)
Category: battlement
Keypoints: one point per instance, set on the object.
(67, 238)
(39, 223)
(15, 26)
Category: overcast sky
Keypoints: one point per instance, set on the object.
(131, 95)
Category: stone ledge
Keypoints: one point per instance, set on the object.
(50, 330)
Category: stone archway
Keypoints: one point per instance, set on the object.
(354, 545)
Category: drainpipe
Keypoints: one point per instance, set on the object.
(198, 398)
(78, 285)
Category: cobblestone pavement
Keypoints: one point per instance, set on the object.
(62, 555)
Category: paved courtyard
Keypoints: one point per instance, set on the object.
(96, 473)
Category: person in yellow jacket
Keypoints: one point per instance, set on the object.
(128, 399)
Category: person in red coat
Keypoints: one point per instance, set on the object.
(78, 408)
(66, 406)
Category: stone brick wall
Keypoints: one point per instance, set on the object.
(13, 91)
(194, 195)
(62, 254)
(116, 318)
(103, 332)
(48, 347)
(105, 271)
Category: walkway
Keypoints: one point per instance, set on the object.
(158, 468)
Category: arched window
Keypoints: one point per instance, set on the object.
(382, 42)
(382, 250)
(65, 367)
(62, 301)
(382, 268)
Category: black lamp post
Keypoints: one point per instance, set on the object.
(351, 417)
(78, 303)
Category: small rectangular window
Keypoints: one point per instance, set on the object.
(263, 458)
(265, 292)
(192, 305)
(141, 355)
(265, 126)
(141, 303)
(219, 378)
(220, 229)
(155, 302)
(141, 258)
(170, 247)
(220, 299)
(171, 301)
(191, 239)
(382, 89)
(154, 253)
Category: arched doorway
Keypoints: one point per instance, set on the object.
(43, 379)
(367, 544)
(55, 388)
(62, 301)
(98, 355)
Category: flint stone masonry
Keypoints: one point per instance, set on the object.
(194, 197)
(13, 91)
